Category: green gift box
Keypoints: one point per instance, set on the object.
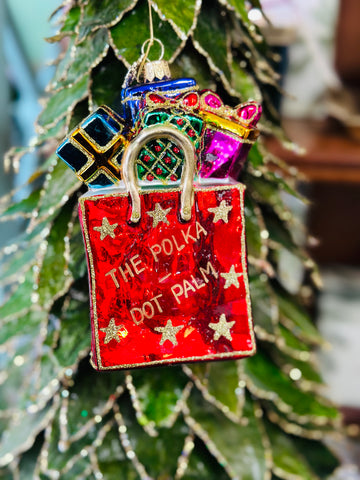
(162, 160)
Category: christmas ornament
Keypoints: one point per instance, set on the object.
(165, 238)
(168, 276)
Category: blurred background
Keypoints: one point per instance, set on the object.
(318, 48)
(23, 77)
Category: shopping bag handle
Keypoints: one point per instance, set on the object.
(131, 154)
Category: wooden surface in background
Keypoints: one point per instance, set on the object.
(332, 166)
(332, 154)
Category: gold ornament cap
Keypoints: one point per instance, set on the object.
(156, 71)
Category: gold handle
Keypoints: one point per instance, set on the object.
(129, 171)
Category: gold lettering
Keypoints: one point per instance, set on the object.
(204, 272)
(132, 313)
(200, 228)
(155, 299)
(135, 262)
(187, 235)
(176, 245)
(112, 274)
(187, 287)
(196, 284)
(155, 250)
(165, 242)
(127, 270)
(179, 292)
(147, 310)
(152, 311)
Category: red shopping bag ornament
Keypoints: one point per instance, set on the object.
(167, 267)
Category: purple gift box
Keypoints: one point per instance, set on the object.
(228, 136)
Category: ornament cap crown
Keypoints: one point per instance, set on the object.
(156, 70)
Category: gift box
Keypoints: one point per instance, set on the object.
(93, 150)
(161, 161)
(228, 136)
(167, 268)
(132, 96)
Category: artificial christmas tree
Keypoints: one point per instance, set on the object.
(257, 418)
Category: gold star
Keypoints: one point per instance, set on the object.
(169, 332)
(231, 277)
(106, 229)
(221, 212)
(159, 215)
(222, 328)
(114, 332)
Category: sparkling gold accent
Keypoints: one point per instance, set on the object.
(231, 278)
(106, 229)
(102, 148)
(127, 445)
(202, 386)
(222, 328)
(159, 215)
(249, 134)
(156, 70)
(174, 92)
(210, 445)
(183, 459)
(114, 332)
(169, 332)
(221, 212)
(149, 427)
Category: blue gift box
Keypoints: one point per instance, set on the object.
(131, 96)
(93, 150)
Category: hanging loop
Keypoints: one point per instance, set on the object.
(130, 175)
(152, 40)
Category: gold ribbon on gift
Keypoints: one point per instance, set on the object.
(211, 108)
(250, 134)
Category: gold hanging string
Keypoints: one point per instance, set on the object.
(149, 42)
(136, 68)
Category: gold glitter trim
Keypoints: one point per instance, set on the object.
(213, 449)
(127, 445)
(40, 129)
(94, 64)
(106, 229)
(92, 279)
(107, 25)
(183, 35)
(224, 118)
(295, 429)
(215, 69)
(86, 153)
(101, 170)
(247, 135)
(183, 459)
(173, 92)
(224, 409)
(101, 149)
(221, 212)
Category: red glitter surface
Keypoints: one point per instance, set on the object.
(175, 275)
